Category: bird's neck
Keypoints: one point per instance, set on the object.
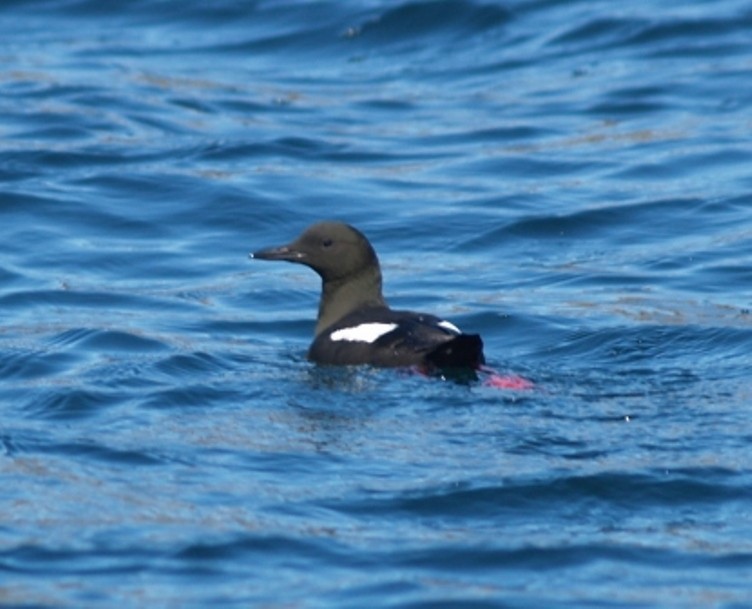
(342, 297)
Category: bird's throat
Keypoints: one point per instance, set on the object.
(340, 298)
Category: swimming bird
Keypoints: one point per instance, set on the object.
(355, 325)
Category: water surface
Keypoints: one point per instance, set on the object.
(569, 179)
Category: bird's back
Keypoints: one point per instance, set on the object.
(385, 338)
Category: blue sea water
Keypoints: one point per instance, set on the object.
(571, 179)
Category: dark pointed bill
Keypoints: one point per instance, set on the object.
(277, 253)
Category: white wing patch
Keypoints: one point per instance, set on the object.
(363, 333)
(448, 325)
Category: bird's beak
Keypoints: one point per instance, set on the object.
(284, 252)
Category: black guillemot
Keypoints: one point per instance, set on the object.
(355, 325)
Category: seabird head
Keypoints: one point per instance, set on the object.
(346, 262)
(335, 250)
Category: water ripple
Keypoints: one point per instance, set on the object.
(567, 179)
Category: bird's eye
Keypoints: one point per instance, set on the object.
(327, 243)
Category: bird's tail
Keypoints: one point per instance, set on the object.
(461, 352)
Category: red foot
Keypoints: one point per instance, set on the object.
(506, 381)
